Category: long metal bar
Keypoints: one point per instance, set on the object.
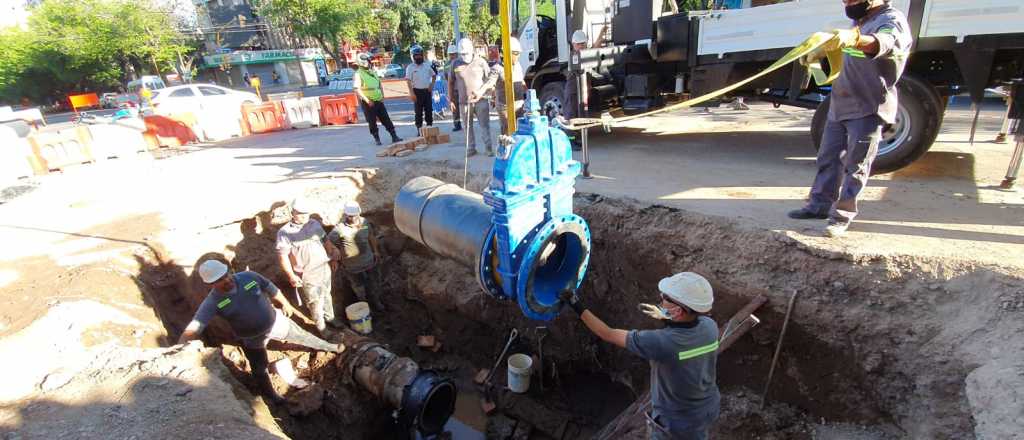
(506, 61)
(778, 348)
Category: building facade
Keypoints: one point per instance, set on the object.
(239, 44)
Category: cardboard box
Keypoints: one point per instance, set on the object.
(444, 138)
(432, 140)
(429, 131)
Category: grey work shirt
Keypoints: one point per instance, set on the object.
(867, 84)
(247, 308)
(683, 361)
(305, 247)
(354, 243)
(468, 77)
(497, 76)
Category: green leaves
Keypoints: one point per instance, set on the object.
(328, 22)
(88, 45)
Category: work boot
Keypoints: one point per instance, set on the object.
(807, 214)
(471, 152)
(394, 137)
(457, 126)
(489, 151)
(836, 228)
(376, 138)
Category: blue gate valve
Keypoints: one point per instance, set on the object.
(520, 236)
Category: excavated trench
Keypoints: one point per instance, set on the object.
(865, 354)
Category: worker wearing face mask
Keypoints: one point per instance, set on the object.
(683, 355)
(470, 72)
(420, 76)
(863, 100)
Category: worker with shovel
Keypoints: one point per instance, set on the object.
(302, 252)
(684, 395)
(257, 312)
(863, 100)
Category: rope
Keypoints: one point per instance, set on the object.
(827, 42)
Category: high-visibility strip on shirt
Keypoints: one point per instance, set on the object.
(699, 351)
(224, 303)
(854, 52)
(251, 285)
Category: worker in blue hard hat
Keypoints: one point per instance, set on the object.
(685, 400)
(863, 100)
(419, 77)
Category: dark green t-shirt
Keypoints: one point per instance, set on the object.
(354, 244)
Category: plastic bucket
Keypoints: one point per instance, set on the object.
(359, 317)
(519, 367)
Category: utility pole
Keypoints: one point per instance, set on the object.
(455, 15)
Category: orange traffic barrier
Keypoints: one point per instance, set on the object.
(339, 109)
(55, 150)
(263, 118)
(170, 131)
(83, 100)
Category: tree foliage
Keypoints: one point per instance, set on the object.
(328, 22)
(89, 45)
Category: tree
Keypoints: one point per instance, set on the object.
(328, 22)
(81, 45)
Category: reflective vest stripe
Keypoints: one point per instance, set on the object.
(224, 303)
(854, 52)
(251, 285)
(689, 354)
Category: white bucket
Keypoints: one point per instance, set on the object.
(359, 317)
(519, 366)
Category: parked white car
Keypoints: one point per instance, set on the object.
(201, 99)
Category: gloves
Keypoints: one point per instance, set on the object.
(653, 311)
(573, 300)
(847, 37)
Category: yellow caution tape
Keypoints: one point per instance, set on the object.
(809, 53)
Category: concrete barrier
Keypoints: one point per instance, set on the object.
(116, 140)
(15, 155)
(56, 150)
(303, 112)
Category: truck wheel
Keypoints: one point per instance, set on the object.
(551, 98)
(918, 117)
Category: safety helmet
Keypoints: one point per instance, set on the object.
(416, 50)
(363, 60)
(212, 270)
(302, 204)
(465, 47)
(352, 208)
(579, 37)
(688, 289)
(452, 50)
(514, 46)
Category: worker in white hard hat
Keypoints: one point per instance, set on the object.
(257, 312)
(496, 82)
(469, 73)
(368, 88)
(302, 250)
(453, 94)
(684, 393)
(359, 254)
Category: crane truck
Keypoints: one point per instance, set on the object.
(645, 54)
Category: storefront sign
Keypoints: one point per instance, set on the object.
(262, 56)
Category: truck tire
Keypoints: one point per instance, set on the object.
(918, 118)
(551, 98)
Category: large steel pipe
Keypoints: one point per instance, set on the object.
(424, 399)
(445, 218)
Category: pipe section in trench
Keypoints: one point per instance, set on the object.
(520, 237)
(423, 399)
